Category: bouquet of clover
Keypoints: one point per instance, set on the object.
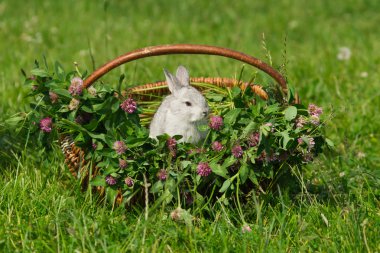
(250, 143)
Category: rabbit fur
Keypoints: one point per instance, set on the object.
(181, 112)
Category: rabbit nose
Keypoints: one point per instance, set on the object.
(205, 113)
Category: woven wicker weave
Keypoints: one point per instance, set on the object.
(160, 88)
(75, 157)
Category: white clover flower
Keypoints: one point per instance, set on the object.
(344, 54)
(92, 91)
(74, 104)
(360, 155)
(363, 74)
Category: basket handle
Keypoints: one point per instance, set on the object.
(185, 49)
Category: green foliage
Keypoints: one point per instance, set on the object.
(251, 144)
(42, 209)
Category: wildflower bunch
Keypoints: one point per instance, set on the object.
(246, 143)
(129, 105)
(203, 169)
(46, 124)
(76, 87)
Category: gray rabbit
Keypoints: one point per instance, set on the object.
(181, 112)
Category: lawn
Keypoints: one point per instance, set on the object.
(42, 208)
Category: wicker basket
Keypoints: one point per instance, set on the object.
(75, 157)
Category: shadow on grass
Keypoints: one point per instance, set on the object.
(10, 144)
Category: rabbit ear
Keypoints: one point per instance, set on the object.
(172, 82)
(183, 76)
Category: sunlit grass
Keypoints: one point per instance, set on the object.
(42, 209)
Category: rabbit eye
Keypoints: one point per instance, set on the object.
(188, 103)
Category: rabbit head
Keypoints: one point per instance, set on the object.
(187, 103)
(181, 112)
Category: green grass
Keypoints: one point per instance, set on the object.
(42, 208)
